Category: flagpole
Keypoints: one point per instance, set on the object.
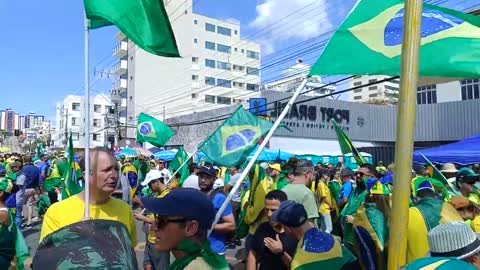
(181, 166)
(258, 152)
(405, 132)
(87, 119)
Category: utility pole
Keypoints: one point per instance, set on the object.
(116, 113)
(66, 127)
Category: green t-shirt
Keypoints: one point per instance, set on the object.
(299, 193)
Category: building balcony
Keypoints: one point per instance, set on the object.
(120, 84)
(120, 36)
(120, 68)
(121, 49)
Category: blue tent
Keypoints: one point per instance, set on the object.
(270, 155)
(464, 152)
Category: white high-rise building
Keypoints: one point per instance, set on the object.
(217, 68)
(382, 91)
(70, 116)
(293, 76)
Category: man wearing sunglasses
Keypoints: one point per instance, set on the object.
(182, 219)
(153, 259)
(165, 171)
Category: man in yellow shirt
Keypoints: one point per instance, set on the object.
(103, 181)
(154, 259)
(325, 202)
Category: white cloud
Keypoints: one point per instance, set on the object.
(293, 19)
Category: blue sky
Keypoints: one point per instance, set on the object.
(42, 42)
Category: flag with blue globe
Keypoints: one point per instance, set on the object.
(152, 130)
(236, 138)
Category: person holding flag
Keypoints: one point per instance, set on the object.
(12, 243)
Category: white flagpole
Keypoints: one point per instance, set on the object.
(181, 166)
(87, 119)
(258, 152)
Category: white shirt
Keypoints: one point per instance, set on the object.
(191, 182)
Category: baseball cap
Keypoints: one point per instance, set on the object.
(290, 214)
(207, 169)
(346, 172)
(467, 175)
(275, 166)
(188, 203)
(425, 185)
(153, 175)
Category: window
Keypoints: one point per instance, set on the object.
(357, 76)
(372, 80)
(195, 60)
(210, 63)
(224, 83)
(253, 55)
(224, 100)
(357, 83)
(357, 97)
(357, 90)
(238, 68)
(224, 31)
(373, 95)
(224, 66)
(388, 87)
(96, 137)
(194, 95)
(252, 71)
(195, 21)
(224, 48)
(195, 40)
(209, 80)
(238, 84)
(209, 99)
(96, 122)
(470, 89)
(75, 136)
(373, 87)
(235, 49)
(210, 45)
(76, 106)
(236, 32)
(194, 77)
(209, 27)
(243, 51)
(97, 108)
(131, 78)
(75, 121)
(252, 87)
(427, 94)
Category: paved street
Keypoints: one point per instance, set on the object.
(32, 235)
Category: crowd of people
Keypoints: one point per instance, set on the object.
(285, 215)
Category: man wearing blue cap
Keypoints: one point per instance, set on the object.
(182, 219)
(317, 249)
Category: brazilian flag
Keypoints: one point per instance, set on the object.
(320, 250)
(177, 161)
(130, 171)
(441, 180)
(370, 233)
(70, 183)
(373, 32)
(235, 139)
(152, 130)
(346, 145)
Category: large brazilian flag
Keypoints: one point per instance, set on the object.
(370, 42)
(235, 139)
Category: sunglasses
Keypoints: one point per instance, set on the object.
(163, 221)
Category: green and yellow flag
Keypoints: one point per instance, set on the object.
(442, 182)
(177, 161)
(145, 22)
(347, 146)
(370, 42)
(70, 184)
(235, 139)
(152, 130)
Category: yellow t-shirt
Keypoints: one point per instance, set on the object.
(71, 210)
(476, 224)
(151, 233)
(324, 192)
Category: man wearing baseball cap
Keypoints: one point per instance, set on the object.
(274, 170)
(320, 250)
(466, 179)
(182, 219)
(153, 259)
